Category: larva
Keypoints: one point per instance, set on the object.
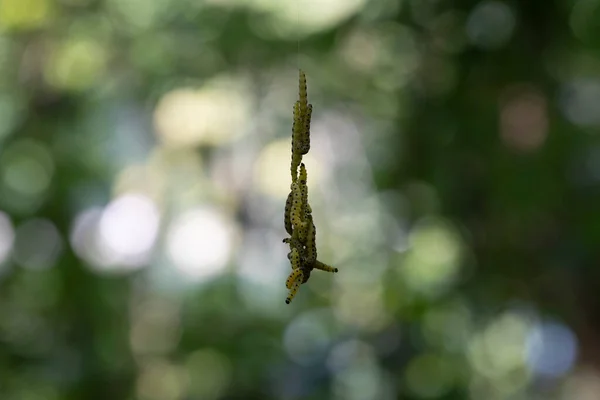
(311, 248)
(296, 274)
(296, 205)
(303, 184)
(293, 290)
(298, 128)
(298, 219)
(296, 159)
(324, 267)
(302, 187)
(287, 221)
(302, 90)
(304, 145)
(294, 257)
(297, 139)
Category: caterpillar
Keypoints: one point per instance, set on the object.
(302, 90)
(298, 128)
(293, 290)
(295, 258)
(303, 189)
(296, 210)
(305, 144)
(311, 247)
(297, 274)
(324, 267)
(298, 220)
(287, 220)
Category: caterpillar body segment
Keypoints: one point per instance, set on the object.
(302, 232)
(303, 188)
(311, 246)
(302, 91)
(324, 267)
(298, 112)
(303, 184)
(287, 220)
(296, 205)
(295, 259)
(293, 290)
(304, 146)
(298, 128)
(296, 159)
(297, 274)
(297, 140)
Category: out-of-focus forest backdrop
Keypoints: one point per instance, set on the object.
(454, 177)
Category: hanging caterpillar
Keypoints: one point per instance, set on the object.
(287, 219)
(298, 220)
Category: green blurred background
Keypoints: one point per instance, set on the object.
(454, 178)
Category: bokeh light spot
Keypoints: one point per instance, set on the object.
(37, 244)
(289, 19)
(212, 115)
(497, 353)
(20, 170)
(357, 373)
(580, 101)
(582, 385)
(199, 243)
(160, 380)
(491, 24)
(361, 304)
(76, 64)
(307, 337)
(84, 239)
(138, 14)
(524, 120)
(343, 354)
(128, 229)
(551, 349)
(210, 373)
(27, 170)
(24, 14)
(584, 20)
(433, 260)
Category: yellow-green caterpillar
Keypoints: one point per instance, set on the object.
(287, 220)
(298, 220)
(293, 290)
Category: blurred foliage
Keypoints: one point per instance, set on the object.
(455, 182)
